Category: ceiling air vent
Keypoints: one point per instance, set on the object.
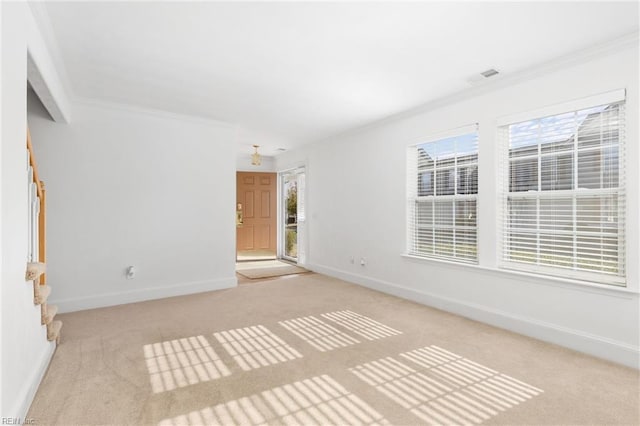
(489, 73)
(483, 76)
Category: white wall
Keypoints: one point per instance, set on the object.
(2, 73)
(43, 75)
(356, 207)
(129, 187)
(24, 349)
(243, 164)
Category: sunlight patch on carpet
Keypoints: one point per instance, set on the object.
(448, 389)
(361, 325)
(318, 334)
(316, 401)
(182, 362)
(255, 347)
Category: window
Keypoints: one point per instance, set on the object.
(442, 193)
(564, 192)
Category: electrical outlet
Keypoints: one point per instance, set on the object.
(363, 261)
(131, 272)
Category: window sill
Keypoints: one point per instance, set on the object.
(611, 290)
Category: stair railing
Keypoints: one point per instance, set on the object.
(37, 213)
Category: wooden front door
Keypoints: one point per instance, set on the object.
(256, 205)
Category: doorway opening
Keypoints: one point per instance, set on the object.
(256, 216)
(293, 218)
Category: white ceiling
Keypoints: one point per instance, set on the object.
(293, 73)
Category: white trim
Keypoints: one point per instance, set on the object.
(161, 114)
(579, 275)
(601, 347)
(579, 270)
(299, 165)
(627, 41)
(413, 171)
(28, 391)
(141, 295)
(573, 105)
(537, 278)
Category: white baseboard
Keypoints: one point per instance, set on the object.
(601, 347)
(32, 383)
(140, 295)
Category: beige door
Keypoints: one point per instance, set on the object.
(256, 205)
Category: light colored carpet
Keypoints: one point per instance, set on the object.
(267, 269)
(310, 349)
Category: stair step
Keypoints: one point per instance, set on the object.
(53, 331)
(48, 313)
(41, 294)
(34, 270)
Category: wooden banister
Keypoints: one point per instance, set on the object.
(32, 161)
(42, 222)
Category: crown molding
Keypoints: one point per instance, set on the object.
(156, 113)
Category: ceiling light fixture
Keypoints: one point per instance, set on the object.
(256, 159)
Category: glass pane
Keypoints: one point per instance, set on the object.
(598, 253)
(523, 175)
(444, 242)
(557, 133)
(466, 245)
(557, 172)
(291, 241)
(556, 250)
(424, 213)
(445, 181)
(522, 214)
(562, 145)
(467, 148)
(291, 217)
(444, 213)
(468, 158)
(522, 247)
(425, 160)
(523, 139)
(424, 241)
(425, 183)
(466, 213)
(468, 180)
(598, 168)
(445, 152)
(598, 126)
(556, 214)
(597, 214)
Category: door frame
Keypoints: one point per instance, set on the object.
(281, 225)
(277, 201)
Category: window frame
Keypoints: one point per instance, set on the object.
(575, 193)
(413, 198)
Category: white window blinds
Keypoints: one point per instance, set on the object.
(442, 192)
(564, 200)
